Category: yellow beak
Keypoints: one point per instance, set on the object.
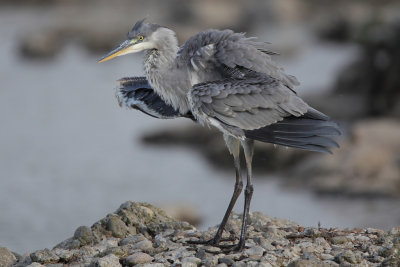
(122, 49)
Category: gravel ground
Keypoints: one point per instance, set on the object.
(138, 234)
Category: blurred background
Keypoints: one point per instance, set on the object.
(69, 155)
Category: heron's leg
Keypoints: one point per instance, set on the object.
(233, 145)
(248, 147)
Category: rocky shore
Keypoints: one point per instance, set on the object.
(138, 234)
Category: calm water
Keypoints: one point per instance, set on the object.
(69, 155)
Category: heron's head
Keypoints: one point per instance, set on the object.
(143, 36)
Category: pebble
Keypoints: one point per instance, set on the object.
(138, 258)
(162, 242)
(108, 261)
(143, 245)
(7, 258)
(44, 256)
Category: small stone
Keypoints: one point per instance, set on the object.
(7, 258)
(189, 264)
(254, 251)
(329, 263)
(264, 264)
(35, 264)
(155, 264)
(337, 240)
(346, 256)
(363, 238)
(225, 260)
(108, 261)
(143, 245)
(239, 264)
(44, 256)
(117, 227)
(138, 258)
(194, 260)
(132, 239)
(301, 263)
(210, 261)
(222, 265)
(212, 249)
(325, 256)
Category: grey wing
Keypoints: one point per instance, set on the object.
(247, 104)
(136, 93)
(228, 50)
(266, 111)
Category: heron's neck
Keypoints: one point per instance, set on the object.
(164, 76)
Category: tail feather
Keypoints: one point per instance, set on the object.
(313, 131)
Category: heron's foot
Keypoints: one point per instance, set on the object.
(225, 248)
(215, 242)
(232, 248)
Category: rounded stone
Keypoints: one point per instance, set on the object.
(117, 227)
(85, 235)
(43, 256)
(138, 258)
(143, 245)
(7, 258)
(108, 261)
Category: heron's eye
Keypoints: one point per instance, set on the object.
(140, 38)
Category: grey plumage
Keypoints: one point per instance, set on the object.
(228, 80)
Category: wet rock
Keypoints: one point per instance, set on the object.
(7, 258)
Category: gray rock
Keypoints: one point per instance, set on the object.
(338, 240)
(254, 251)
(44, 256)
(84, 235)
(132, 239)
(107, 261)
(35, 264)
(210, 261)
(7, 258)
(346, 256)
(193, 260)
(117, 227)
(138, 258)
(226, 260)
(152, 265)
(144, 245)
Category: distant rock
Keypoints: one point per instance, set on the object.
(367, 164)
(270, 242)
(209, 142)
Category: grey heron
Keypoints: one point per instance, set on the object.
(227, 80)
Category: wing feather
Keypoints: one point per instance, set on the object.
(221, 49)
(248, 104)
